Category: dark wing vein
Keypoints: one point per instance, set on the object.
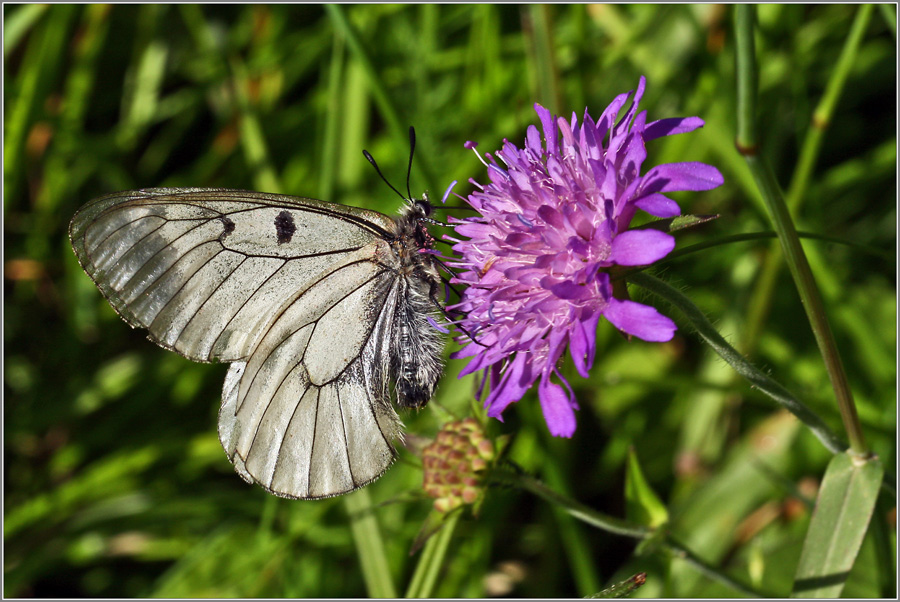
(295, 331)
(337, 394)
(184, 284)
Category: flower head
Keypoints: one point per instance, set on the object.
(552, 223)
(453, 463)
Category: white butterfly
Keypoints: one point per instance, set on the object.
(320, 308)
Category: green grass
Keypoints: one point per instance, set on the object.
(115, 483)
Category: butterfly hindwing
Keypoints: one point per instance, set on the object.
(315, 395)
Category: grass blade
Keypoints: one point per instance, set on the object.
(369, 545)
(839, 524)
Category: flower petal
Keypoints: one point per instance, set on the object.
(511, 388)
(582, 343)
(658, 205)
(672, 126)
(569, 290)
(641, 247)
(639, 320)
(557, 408)
(547, 125)
(681, 176)
(533, 140)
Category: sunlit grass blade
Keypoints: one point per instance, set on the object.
(63, 163)
(382, 99)
(641, 502)
(43, 57)
(540, 37)
(144, 79)
(19, 22)
(369, 545)
(839, 524)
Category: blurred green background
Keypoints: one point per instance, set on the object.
(115, 482)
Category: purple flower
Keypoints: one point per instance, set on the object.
(552, 223)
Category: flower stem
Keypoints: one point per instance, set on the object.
(737, 361)
(425, 576)
(745, 21)
(761, 301)
(767, 234)
(706, 569)
(784, 226)
(509, 476)
(602, 521)
(824, 112)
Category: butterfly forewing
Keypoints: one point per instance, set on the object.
(302, 296)
(188, 264)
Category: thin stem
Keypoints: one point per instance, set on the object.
(743, 367)
(708, 570)
(602, 521)
(784, 226)
(745, 20)
(761, 301)
(616, 526)
(424, 578)
(822, 116)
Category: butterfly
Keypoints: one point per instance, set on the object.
(325, 312)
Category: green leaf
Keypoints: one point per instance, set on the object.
(642, 505)
(681, 222)
(839, 523)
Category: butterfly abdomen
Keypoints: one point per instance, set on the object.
(416, 356)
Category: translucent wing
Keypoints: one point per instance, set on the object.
(294, 292)
(326, 425)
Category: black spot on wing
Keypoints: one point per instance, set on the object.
(228, 227)
(284, 227)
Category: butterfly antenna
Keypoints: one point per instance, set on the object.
(412, 148)
(371, 160)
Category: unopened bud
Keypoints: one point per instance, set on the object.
(452, 463)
